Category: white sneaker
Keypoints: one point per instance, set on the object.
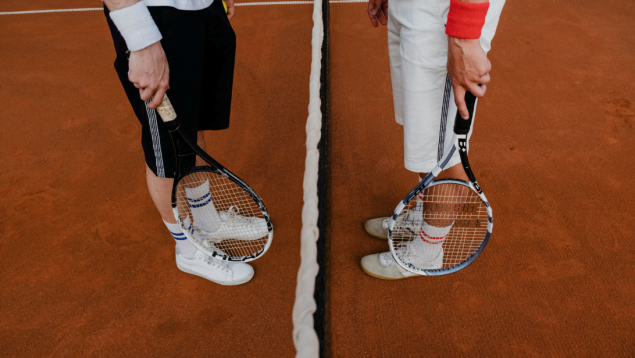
(218, 271)
(407, 225)
(385, 267)
(237, 227)
(377, 228)
(409, 257)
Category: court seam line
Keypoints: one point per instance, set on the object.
(238, 4)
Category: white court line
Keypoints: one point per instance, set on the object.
(273, 3)
(238, 4)
(45, 11)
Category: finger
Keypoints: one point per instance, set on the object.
(384, 8)
(484, 80)
(380, 16)
(133, 80)
(483, 88)
(157, 98)
(230, 9)
(459, 99)
(372, 12)
(477, 90)
(145, 93)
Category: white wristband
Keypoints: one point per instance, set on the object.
(136, 26)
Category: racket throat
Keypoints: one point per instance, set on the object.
(461, 144)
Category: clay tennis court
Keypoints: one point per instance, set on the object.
(88, 268)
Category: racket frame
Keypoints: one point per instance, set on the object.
(179, 138)
(459, 142)
(229, 175)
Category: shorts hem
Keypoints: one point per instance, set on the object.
(416, 167)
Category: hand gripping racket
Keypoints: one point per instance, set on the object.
(217, 211)
(442, 226)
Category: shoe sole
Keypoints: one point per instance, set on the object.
(382, 277)
(223, 283)
(374, 235)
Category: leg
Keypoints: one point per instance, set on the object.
(454, 197)
(418, 54)
(455, 172)
(161, 188)
(200, 140)
(446, 218)
(436, 211)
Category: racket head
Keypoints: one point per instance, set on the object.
(416, 227)
(228, 221)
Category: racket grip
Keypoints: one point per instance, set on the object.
(462, 126)
(165, 110)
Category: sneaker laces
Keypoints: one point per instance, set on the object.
(210, 244)
(403, 252)
(404, 220)
(408, 256)
(232, 218)
(413, 217)
(411, 257)
(224, 266)
(386, 258)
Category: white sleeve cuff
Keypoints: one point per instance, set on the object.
(136, 26)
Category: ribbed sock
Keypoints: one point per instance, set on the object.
(186, 248)
(429, 244)
(204, 214)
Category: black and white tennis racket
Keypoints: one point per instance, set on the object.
(217, 211)
(442, 226)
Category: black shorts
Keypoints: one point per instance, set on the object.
(200, 47)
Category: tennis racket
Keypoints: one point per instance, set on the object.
(217, 211)
(442, 226)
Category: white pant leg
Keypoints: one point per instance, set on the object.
(394, 40)
(423, 97)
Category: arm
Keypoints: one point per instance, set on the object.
(148, 67)
(468, 65)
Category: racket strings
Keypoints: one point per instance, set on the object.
(220, 215)
(442, 226)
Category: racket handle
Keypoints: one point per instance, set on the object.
(462, 126)
(166, 111)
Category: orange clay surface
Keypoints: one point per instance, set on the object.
(88, 269)
(553, 150)
(87, 265)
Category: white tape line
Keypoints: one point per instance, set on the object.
(274, 3)
(239, 4)
(47, 11)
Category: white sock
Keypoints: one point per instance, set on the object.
(204, 214)
(186, 248)
(429, 244)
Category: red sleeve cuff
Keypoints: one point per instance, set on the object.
(465, 21)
